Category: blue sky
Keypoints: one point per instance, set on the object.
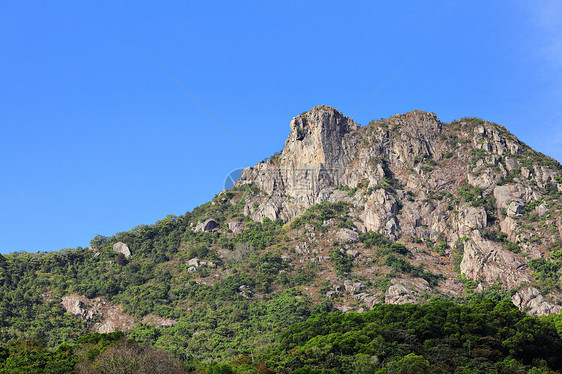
(96, 138)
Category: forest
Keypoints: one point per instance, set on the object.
(485, 336)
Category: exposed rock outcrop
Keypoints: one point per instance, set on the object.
(236, 227)
(530, 300)
(368, 299)
(490, 262)
(398, 294)
(402, 291)
(347, 235)
(123, 248)
(195, 262)
(207, 225)
(81, 306)
(114, 319)
(320, 147)
(351, 286)
(111, 317)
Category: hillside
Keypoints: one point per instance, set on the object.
(346, 217)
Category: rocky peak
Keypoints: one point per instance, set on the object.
(318, 136)
(321, 146)
(321, 124)
(469, 186)
(418, 124)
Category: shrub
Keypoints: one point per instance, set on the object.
(131, 358)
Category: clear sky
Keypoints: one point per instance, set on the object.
(96, 138)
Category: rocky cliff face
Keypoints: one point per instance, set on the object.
(468, 189)
(321, 146)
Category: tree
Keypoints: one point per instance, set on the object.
(410, 364)
(131, 358)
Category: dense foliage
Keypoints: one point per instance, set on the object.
(483, 337)
(255, 299)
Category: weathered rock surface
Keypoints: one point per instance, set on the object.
(123, 248)
(80, 306)
(314, 161)
(489, 261)
(112, 316)
(195, 262)
(405, 291)
(207, 226)
(398, 294)
(368, 299)
(154, 320)
(236, 227)
(347, 235)
(530, 300)
(351, 286)
(114, 319)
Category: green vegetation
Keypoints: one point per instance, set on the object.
(93, 353)
(472, 194)
(546, 274)
(475, 196)
(441, 248)
(483, 337)
(323, 212)
(510, 177)
(342, 262)
(501, 237)
(477, 154)
(453, 141)
(31, 357)
(529, 207)
(529, 158)
(400, 265)
(351, 191)
(156, 280)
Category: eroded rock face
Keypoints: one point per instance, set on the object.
(112, 316)
(398, 294)
(347, 235)
(114, 319)
(405, 291)
(155, 320)
(489, 261)
(368, 299)
(207, 226)
(80, 306)
(380, 213)
(351, 286)
(195, 262)
(236, 227)
(321, 145)
(530, 300)
(123, 248)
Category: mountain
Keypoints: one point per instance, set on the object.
(346, 217)
(467, 198)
